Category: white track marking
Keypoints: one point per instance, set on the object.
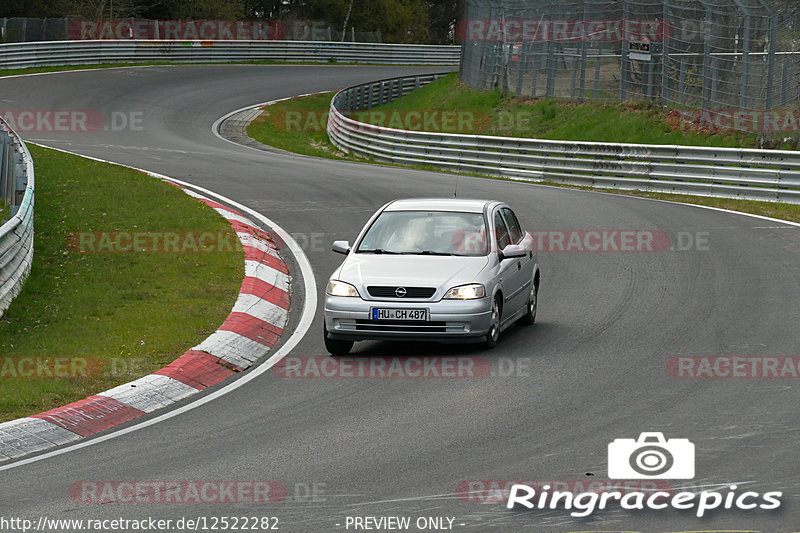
(306, 318)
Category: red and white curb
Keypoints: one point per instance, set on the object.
(253, 327)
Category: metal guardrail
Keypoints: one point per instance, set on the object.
(16, 235)
(41, 54)
(751, 174)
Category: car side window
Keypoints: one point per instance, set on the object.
(501, 231)
(514, 228)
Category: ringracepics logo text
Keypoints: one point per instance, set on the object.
(587, 503)
(653, 457)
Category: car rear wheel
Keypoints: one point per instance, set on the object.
(493, 334)
(530, 308)
(336, 346)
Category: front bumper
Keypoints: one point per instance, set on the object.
(449, 320)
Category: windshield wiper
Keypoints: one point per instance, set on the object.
(431, 252)
(377, 251)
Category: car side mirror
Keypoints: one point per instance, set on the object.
(513, 250)
(341, 247)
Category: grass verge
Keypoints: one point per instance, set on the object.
(63, 68)
(298, 125)
(491, 113)
(117, 316)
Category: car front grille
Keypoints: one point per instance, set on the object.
(401, 325)
(391, 292)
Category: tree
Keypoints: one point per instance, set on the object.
(399, 21)
(103, 9)
(443, 16)
(196, 9)
(33, 8)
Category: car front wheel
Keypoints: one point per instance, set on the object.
(493, 334)
(530, 308)
(336, 346)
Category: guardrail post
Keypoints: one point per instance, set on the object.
(20, 180)
(8, 174)
(4, 140)
(369, 95)
(17, 180)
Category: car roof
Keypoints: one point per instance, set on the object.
(439, 204)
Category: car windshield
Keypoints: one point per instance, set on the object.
(426, 233)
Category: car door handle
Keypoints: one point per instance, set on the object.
(519, 265)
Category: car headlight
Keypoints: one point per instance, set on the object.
(340, 288)
(466, 292)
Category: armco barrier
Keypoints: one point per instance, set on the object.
(42, 54)
(16, 235)
(751, 174)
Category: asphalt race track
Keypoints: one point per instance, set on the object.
(593, 368)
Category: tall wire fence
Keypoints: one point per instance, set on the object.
(733, 60)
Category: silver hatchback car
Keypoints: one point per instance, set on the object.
(438, 269)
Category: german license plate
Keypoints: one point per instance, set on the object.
(412, 315)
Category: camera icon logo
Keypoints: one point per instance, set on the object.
(651, 457)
